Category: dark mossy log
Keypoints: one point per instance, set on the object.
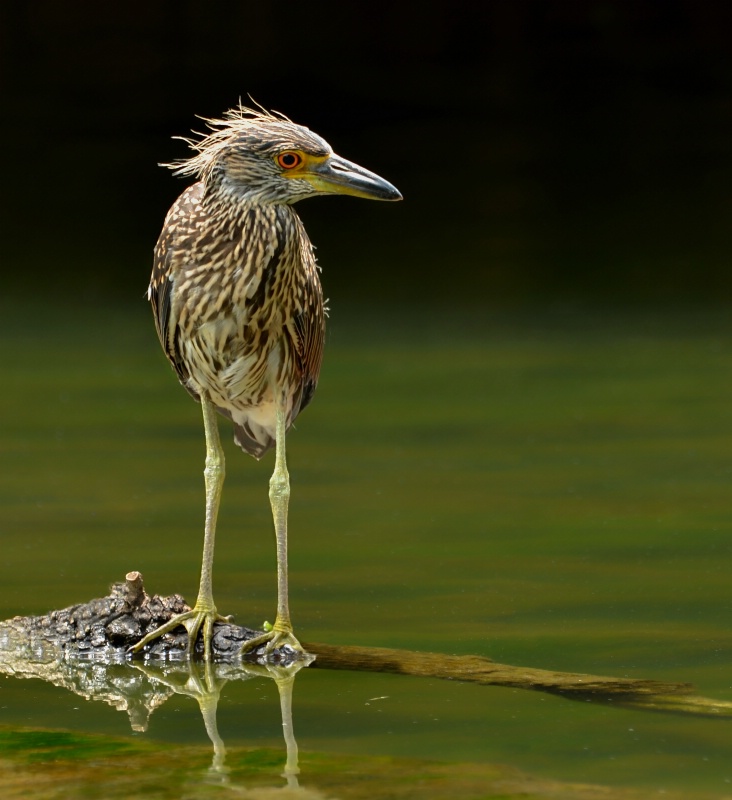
(104, 629)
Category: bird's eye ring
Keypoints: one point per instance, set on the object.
(289, 159)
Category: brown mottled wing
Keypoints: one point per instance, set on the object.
(308, 328)
(179, 225)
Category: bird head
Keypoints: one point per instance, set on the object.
(258, 157)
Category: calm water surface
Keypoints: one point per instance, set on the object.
(551, 489)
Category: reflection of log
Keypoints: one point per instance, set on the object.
(103, 630)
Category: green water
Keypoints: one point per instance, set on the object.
(548, 488)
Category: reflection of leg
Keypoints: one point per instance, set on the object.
(284, 678)
(279, 496)
(203, 681)
(203, 614)
(284, 687)
(208, 701)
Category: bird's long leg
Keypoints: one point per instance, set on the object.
(213, 475)
(204, 613)
(279, 497)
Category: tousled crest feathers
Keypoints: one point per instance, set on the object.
(235, 125)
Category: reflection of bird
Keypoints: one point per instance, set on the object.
(239, 309)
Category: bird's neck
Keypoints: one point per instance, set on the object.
(255, 190)
(227, 202)
(229, 206)
(275, 226)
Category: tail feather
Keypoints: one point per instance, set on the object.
(245, 437)
(255, 441)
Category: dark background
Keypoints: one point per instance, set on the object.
(557, 148)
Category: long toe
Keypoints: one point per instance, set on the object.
(192, 621)
(273, 641)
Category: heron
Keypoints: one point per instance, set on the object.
(238, 307)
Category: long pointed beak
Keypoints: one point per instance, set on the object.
(335, 175)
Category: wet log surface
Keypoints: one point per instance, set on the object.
(105, 628)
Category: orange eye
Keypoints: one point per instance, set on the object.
(289, 159)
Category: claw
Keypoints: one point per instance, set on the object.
(274, 637)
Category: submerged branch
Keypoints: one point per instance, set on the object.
(478, 669)
(639, 693)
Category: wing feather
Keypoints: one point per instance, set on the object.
(307, 331)
(179, 223)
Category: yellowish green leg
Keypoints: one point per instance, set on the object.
(204, 613)
(279, 496)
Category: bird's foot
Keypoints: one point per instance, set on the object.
(274, 637)
(202, 615)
